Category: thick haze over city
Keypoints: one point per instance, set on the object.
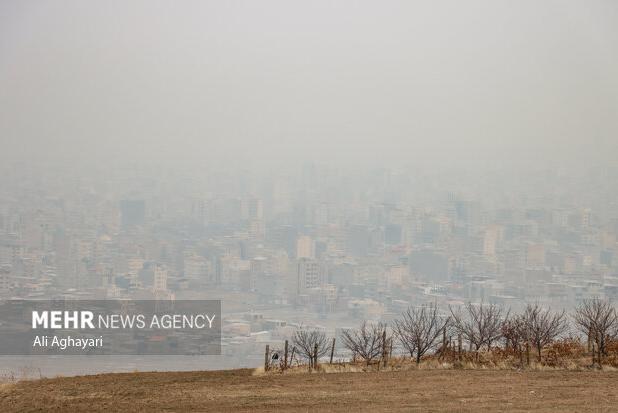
(308, 163)
(282, 81)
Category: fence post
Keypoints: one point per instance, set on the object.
(384, 358)
(285, 356)
(332, 351)
(266, 355)
(315, 356)
(527, 353)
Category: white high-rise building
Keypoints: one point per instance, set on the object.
(311, 274)
(490, 239)
(160, 278)
(305, 247)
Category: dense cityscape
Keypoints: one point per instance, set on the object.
(309, 245)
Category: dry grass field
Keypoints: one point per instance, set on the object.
(241, 390)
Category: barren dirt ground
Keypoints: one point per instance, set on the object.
(238, 390)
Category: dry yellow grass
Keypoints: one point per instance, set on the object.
(241, 390)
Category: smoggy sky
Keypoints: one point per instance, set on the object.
(334, 81)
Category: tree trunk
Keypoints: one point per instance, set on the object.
(459, 346)
(521, 354)
(594, 351)
(443, 341)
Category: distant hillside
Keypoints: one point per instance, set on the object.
(241, 390)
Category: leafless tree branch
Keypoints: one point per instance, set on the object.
(419, 329)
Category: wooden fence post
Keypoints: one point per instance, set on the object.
(315, 356)
(332, 351)
(285, 355)
(384, 353)
(527, 353)
(266, 355)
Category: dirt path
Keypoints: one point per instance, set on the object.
(424, 390)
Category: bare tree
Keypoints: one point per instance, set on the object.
(419, 329)
(404, 336)
(541, 326)
(367, 342)
(515, 335)
(307, 342)
(512, 333)
(598, 319)
(480, 325)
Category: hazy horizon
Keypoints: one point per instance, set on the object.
(244, 82)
